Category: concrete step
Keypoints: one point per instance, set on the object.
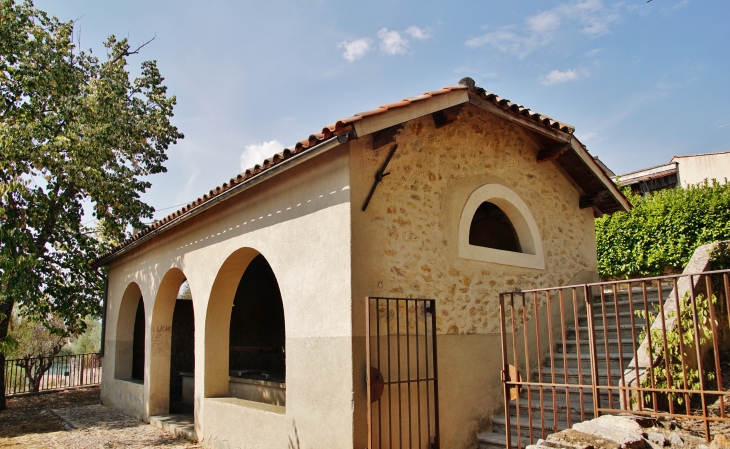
(585, 359)
(574, 378)
(548, 411)
(612, 331)
(623, 316)
(585, 347)
(179, 425)
(493, 440)
(524, 426)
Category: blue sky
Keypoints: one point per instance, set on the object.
(640, 81)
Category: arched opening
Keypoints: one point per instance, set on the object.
(245, 332)
(130, 339)
(492, 228)
(138, 342)
(256, 339)
(496, 226)
(182, 353)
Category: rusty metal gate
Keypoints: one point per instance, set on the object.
(402, 379)
(653, 346)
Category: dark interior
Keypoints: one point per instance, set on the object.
(138, 343)
(257, 325)
(491, 228)
(182, 349)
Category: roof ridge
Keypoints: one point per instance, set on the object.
(340, 127)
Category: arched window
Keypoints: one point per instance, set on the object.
(491, 228)
(496, 226)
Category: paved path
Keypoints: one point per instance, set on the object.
(96, 426)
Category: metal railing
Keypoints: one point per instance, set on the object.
(402, 379)
(652, 346)
(33, 375)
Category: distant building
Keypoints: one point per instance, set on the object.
(682, 171)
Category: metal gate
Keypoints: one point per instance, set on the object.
(653, 346)
(402, 379)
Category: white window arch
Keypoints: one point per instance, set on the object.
(524, 225)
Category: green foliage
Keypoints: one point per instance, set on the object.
(720, 256)
(33, 339)
(87, 342)
(662, 230)
(7, 344)
(678, 351)
(75, 131)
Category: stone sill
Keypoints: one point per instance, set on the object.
(261, 383)
(131, 381)
(276, 409)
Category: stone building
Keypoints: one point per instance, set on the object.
(684, 171)
(480, 196)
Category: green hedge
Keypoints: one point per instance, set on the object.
(662, 230)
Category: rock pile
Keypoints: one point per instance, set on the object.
(626, 431)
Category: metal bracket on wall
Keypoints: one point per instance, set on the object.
(379, 176)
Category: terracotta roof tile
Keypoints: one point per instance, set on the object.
(339, 127)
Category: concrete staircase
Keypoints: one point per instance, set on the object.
(557, 405)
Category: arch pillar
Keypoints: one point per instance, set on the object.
(160, 340)
(124, 338)
(218, 322)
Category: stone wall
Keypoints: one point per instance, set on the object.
(406, 241)
(406, 245)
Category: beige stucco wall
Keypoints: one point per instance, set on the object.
(300, 221)
(328, 255)
(405, 245)
(696, 169)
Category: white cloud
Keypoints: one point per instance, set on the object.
(257, 152)
(590, 16)
(586, 137)
(556, 77)
(592, 53)
(392, 43)
(545, 21)
(417, 33)
(356, 49)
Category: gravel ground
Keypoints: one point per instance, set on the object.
(75, 419)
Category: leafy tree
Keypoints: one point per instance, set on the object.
(75, 131)
(88, 341)
(662, 230)
(35, 347)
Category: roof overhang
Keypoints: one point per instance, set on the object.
(559, 144)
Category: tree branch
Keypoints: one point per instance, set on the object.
(126, 52)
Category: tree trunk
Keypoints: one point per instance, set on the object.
(5, 308)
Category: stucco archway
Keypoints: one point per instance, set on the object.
(127, 343)
(247, 279)
(162, 335)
